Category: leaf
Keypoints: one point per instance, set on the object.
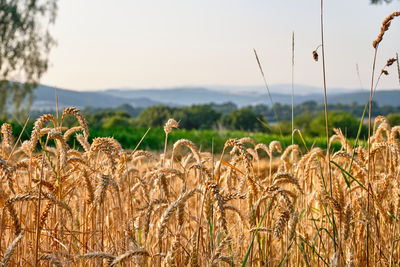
(264, 124)
(301, 137)
(254, 235)
(233, 167)
(346, 172)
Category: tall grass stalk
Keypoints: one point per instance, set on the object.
(326, 113)
(268, 91)
(384, 28)
(292, 92)
(398, 66)
(369, 145)
(39, 201)
(18, 140)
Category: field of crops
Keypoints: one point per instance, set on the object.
(205, 140)
(254, 203)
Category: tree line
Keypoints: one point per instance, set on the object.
(309, 117)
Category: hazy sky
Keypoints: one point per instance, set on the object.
(164, 43)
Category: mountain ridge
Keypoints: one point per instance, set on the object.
(45, 98)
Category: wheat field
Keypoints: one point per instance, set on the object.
(253, 205)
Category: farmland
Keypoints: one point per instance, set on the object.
(254, 202)
(173, 186)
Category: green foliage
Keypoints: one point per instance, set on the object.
(393, 119)
(100, 118)
(243, 119)
(224, 108)
(117, 122)
(284, 111)
(154, 116)
(302, 121)
(17, 128)
(132, 112)
(348, 123)
(215, 116)
(196, 117)
(284, 126)
(129, 137)
(24, 46)
(308, 118)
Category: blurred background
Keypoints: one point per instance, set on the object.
(130, 65)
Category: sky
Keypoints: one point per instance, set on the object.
(171, 43)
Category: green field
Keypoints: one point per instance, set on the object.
(129, 137)
(204, 139)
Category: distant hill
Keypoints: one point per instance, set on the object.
(382, 97)
(300, 89)
(44, 97)
(199, 95)
(189, 96)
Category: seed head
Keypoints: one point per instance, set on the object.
(390, 61)
(171, 123)
(315, 55)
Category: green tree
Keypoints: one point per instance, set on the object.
(224, 108)
(132, 111)
(394, 119)
(302, 121)
(25, 42)
(347, 122)
(154, 116)
(99, 118)
(283, 126)
(117, 122)
(196, 117)
(243, 119)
